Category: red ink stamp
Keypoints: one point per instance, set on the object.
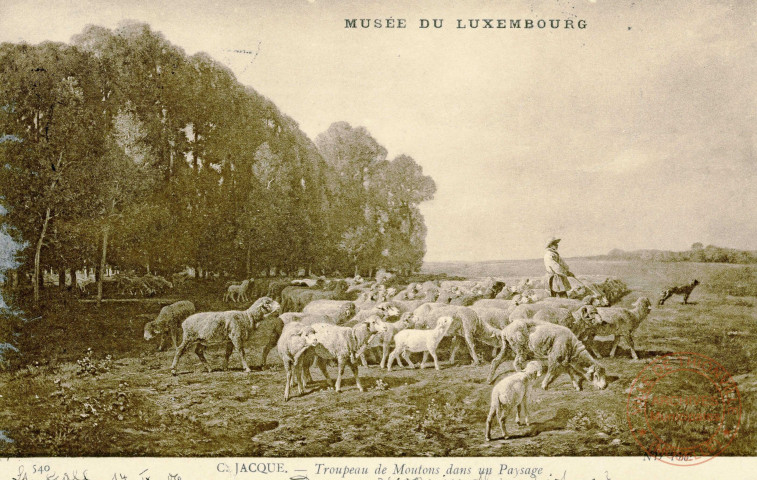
(684, 409)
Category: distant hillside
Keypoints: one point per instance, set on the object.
(697, 253)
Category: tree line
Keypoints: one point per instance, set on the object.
(120, 149)
(697, 253)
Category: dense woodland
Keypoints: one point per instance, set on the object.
(121, 149)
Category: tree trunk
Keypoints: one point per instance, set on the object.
(249, 259)
(102, 267)
(62, 278)
(74, 282)
(37, 255)
(356, 270)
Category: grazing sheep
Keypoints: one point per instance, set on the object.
(622, 322)
(294, 339)
(512, 392)
(341, 344)
(414, 341)
(536, 294)
(341, 317)
(230, 327)
(684, 290)
(555, 343)
(168, 323)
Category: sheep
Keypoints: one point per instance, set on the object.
(528, 310)
(488, 290)
(507, 305)
(465, 322)
(237, 293)
(425, 341)
(329, 307)
(294, 299)
(622, 322)
(512, 392)
(384, 340)
(168, 323)
(555, 343)
(294, 339)
(340, 344)
(275, 287)
(583, 321)
(383, 310)
(496, 317)
(231, 327)
(536, 294)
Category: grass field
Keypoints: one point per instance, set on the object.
(64, 399)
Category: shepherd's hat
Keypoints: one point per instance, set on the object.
(553, 241)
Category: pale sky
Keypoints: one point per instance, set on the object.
(638, 131)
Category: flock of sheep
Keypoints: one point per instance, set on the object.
(314, 323)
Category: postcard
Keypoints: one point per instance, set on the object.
(324, 239)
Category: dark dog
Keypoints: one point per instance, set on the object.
(684, 290)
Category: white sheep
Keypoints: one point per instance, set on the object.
(512, 392)
(294, 340)
(231, 327)
(555, 343)
(168, 323)
(341, 344)
(413, 341)
(328, 307)
(465, 323)
(622, 322)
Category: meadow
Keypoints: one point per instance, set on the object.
(85, 382)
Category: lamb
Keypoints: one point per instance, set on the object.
(231, 327)
(168, 323)
(512, 392)
(555, 343)
(294, 340)
(622, 322)
(340, 344)
(465, 323)
(237, 293)
(385, 339)
(425, 341)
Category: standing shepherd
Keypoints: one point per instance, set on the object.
(557, 270)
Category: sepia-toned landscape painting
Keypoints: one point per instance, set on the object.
(321, 228)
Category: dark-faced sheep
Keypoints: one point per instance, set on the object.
(231, 328)
(168, 323)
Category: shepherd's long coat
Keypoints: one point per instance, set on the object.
(557, 271)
